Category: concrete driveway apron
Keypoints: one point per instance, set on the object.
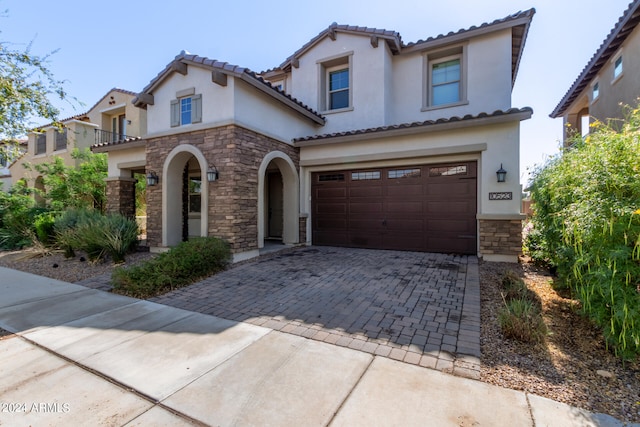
(420, 308)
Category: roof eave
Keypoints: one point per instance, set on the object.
(520, 115)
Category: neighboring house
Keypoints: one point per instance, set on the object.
(10, 151)
(356, 140)
(112, 118)
(609, 81)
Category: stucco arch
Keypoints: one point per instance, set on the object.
(172, 193)
(291, 193)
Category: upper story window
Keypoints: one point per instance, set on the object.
(186, 108)
(339, 89)
(445, 81)
(61, 140)
(41, 144)
(445, 78)
(617, 67)
(595, 91)
(336, 83)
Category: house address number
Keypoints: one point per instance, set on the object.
(507, 195)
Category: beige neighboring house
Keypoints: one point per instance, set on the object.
(113, 118)
(610, 80)
(358, 139)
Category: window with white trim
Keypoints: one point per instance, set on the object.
(445, 83)
(595, 91)
(336, 83)
(617, 67)
(186, 110)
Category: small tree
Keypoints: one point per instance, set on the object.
(81, 187)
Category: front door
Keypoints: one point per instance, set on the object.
(275, 211)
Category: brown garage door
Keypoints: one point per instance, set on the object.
(418, 208)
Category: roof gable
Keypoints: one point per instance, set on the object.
(184, 59)
(625, 25)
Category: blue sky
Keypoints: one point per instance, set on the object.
(126, 43)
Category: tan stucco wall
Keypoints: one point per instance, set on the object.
(80, 135)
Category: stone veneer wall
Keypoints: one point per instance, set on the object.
(500, 237)
(121, 196)
(233, 199)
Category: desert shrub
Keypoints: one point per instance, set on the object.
(520, 319)
(513, 286)
(96, 234)
(180, 266)
(587, 210)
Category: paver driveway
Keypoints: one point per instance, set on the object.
(422, 308)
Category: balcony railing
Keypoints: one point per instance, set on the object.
(105, 137)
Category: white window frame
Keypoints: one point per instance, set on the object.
(325, 67)
(616, 57)
(595, 95)
(438, 57)
(175, 112)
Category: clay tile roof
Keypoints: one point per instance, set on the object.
(625, 25)
(105, 145)
(234, 70)
(519, 22)
(455, 119)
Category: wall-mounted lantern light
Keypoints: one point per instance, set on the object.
(152, 178)
(212, 174)
(502, 174)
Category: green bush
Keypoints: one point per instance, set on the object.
(43, 224)
(96, 234)
(587, 211)
(180, 266)
(520, 319)
(17, 217)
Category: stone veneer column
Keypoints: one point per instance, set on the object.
(121, 196)
(303, 227)
(500, 239)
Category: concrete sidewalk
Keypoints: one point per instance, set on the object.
(87, 357)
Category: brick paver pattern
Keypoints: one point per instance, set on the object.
(421, 308)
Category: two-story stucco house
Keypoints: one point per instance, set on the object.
(112, 118)
(357, 139)
(608, 82)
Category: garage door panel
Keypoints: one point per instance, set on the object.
(322, 193)
(404, 191)
(332, 238)
(365, 224)
(331, 208)
(404, 207)
(365, 192)
(404, 242)
(452, 188)
(370, 207)
(406, 225)
(365, 239)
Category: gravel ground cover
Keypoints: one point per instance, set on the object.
(572, 365)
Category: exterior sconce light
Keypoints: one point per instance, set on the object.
(152, 178)
(502, 174)
(212, 174)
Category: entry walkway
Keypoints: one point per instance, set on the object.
(420, 308)
(87, 357)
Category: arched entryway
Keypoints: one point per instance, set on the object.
(278, 199)
(185, 201)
